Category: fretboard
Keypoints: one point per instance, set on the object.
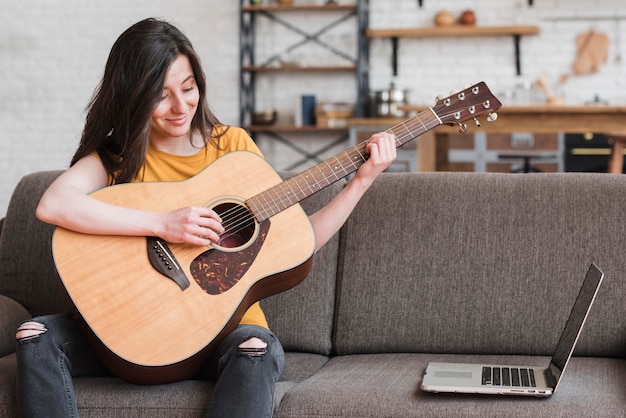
(289, 192)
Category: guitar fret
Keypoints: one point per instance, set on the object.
(316, 176)
(297, 194)
(323, 177)
(342, 165)
(360, 156)
(439, 122)
(400, 143)
(303, 178)
(352, 160)
(276, 199)
(265, 206)
(255, 207)
(422, 123)
(292, 195)
(331, 172)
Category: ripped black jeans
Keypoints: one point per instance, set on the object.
(51, 350)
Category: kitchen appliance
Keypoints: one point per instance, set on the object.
(588, 152)
(385, 103)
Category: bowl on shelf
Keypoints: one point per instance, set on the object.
(267, 117)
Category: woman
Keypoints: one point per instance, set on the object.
(149, 121)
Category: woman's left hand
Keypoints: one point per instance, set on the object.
(381, 148)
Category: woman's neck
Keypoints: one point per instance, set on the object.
(182, 146)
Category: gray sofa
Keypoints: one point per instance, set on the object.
(429, 267)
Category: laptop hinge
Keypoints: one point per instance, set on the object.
(552, 375)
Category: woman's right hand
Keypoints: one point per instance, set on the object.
(191, 225)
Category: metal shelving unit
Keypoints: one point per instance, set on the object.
(331, 15)
(250, 69)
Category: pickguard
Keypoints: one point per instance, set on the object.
(218, 271)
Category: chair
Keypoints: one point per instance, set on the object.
(616, 157)
(526, 156)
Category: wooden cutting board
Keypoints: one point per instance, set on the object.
(591, 52)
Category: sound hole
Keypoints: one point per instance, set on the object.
(239, 225)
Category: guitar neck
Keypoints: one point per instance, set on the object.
(284, 195)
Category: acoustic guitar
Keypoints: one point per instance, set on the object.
(156, 310)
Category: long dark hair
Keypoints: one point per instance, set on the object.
(117, 126)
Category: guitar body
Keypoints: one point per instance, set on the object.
(151, 328)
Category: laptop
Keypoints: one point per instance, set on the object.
(518, 380)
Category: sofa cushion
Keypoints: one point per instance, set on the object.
(482, 263)
(302, 317)
(388, 385)
(27, 272)
(110, 396)
(11, 315)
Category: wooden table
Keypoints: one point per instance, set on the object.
(432, 147)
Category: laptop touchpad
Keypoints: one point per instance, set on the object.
(453, 374)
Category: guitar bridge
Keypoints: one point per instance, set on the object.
(163, 261)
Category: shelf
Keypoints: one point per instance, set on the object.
(420, 3)
(298, 7)
(278, 133)
(299, 68)
(457, 30)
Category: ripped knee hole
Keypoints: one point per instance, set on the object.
(29, 330)
(254, 347)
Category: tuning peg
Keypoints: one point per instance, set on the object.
(492, 117)
(477, 122)
(462, 128)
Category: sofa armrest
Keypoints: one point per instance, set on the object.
(11, 315)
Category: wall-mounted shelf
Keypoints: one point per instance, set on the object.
(421, 2)
(458, 30)
(279, 133)
(291, 68)
(298, 7)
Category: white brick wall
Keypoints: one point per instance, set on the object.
(431, 66)
(52, 53)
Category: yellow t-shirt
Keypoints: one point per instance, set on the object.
(161, 166)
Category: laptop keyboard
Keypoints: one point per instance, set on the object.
(508, 376)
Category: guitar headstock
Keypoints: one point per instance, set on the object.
(467, 104)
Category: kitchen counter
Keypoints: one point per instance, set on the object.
(432, 146)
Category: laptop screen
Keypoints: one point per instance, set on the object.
(577, 318)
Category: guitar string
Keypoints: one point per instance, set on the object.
(239, 217)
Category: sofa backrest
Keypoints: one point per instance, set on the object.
(302, 317)
(27, 272)
(481, 263)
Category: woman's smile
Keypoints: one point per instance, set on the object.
(171, 120)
